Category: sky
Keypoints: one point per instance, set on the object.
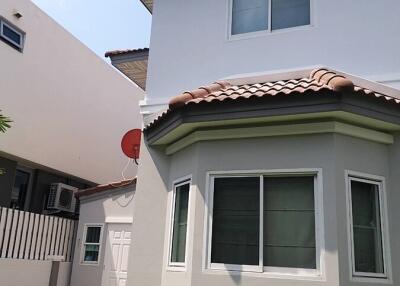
(102, 25)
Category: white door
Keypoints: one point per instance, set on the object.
(117, 255)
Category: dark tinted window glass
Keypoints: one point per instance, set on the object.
(91, 253)
(290, 13)
(368, 253)
(180, 223)
(289, 222)
(249, 16)
(93, 234)
(236, 221)
(10, 34)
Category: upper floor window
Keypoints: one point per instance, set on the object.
(265, 223)
(11, 35)
(249, 16)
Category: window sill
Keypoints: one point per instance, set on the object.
(373, 280)
(259, 34)
(89, 263)
(311, 276)
(171, 268)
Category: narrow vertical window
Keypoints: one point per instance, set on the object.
(91, 243)
(367, 228)
(179, 225)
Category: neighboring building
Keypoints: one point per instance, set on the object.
(69, 108)
(104, 234)
(282, 175)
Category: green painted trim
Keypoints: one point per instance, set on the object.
(187, 128)
(281, 130)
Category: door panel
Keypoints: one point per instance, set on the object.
(117, 255)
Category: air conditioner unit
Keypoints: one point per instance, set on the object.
(62, 198)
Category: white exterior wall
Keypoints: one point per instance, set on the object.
(70, 108)
(190, 46)
(118, 205)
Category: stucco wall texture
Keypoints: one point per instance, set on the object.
(69, 108)
(332, 153)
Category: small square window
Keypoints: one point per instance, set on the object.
(11, 35)
(91, 244)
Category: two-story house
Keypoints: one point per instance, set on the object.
(273, 172)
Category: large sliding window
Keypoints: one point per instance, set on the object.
(251, 16)
(177, 255)
(264, 223)
(367, 227)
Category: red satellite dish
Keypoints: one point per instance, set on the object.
(130, 143)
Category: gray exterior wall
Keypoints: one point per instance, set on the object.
(95, 209)
(330, 152)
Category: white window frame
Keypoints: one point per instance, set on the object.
(273, 272)
(3, 23)
(268, 30)
(380, 182)
(84, 243)
(178, 266)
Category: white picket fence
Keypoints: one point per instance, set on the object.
(25, 235)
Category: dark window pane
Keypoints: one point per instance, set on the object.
(367, 233)
(289, 222)
(91, 253)
(290, 13)
(10, 34)
(236, 221)
(93, 234)
(180, 223)
(20, 189)
(249, 16)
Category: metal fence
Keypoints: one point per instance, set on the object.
(25, 235)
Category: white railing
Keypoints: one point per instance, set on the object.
(25, 235)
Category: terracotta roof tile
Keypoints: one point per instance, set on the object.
(105, 187)
(318, 80)
(124, 52)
